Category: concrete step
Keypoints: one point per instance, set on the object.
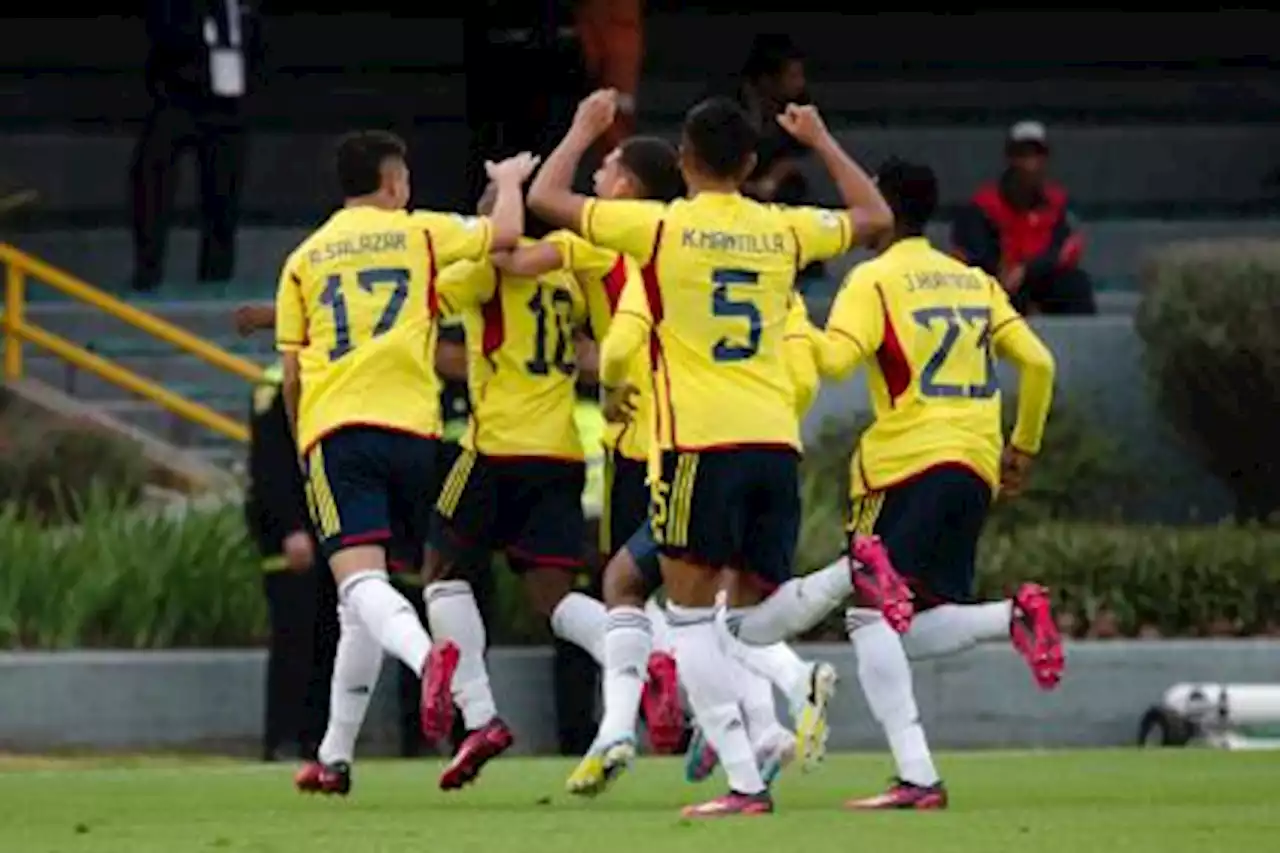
(183, 374)
(149, 417)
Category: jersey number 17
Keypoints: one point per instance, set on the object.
(390, 280)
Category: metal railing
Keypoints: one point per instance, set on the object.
(22, 270)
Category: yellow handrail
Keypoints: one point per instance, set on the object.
(20, 267)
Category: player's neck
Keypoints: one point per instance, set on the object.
(372, 200)
(717, 187)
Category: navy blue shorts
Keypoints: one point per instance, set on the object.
(367, 485)
(643, 548)
(529, 507)
(626, 501)
(736, 508)
(931, 525)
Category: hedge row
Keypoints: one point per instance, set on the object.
(116, 582)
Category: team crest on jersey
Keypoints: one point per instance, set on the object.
(467, 222)
(829, 219)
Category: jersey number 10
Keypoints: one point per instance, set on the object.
(394, 281)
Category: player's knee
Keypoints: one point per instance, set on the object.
(623, 582)
(546, 587)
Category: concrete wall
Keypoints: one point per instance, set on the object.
(1099, 373)
(213, 699)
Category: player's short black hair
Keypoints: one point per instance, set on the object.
(769, 55)
(721, 136)
(359, 157)
(911, 189)
(655, 164)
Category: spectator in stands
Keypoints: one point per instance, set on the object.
(302, 600)
(611, 33)
(1020, 230)
(773, 77)
(197, 74)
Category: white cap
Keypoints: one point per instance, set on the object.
(1028, 131)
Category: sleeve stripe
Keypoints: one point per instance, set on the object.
(846, 231)
(588, 213)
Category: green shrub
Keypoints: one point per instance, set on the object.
(118, 580)
(50, 466)
(1112, 580)
(1213, 356)
(1080, 474)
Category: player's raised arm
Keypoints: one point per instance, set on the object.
(508, 177)
(855, 327)
(551, 194)
(1013, 339)
(868, 212)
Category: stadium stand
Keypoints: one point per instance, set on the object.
(1156, 139)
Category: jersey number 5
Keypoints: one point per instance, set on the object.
(973, 324)
(369, 281)
(723, 304)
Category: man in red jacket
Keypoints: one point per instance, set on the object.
(1020, 230)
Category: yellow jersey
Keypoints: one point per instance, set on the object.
(931, 328)
(801, 359)
(719, 272)
(603, 274)
(521, 361)
(356, 301)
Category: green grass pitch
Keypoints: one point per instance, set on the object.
(1073, 802)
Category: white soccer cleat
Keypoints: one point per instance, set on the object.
(811, 734)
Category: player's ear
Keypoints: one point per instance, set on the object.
(748, 166)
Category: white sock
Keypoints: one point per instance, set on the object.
(707, 674)
(796, 606)
(355, 674)
(953, 628)
(627, 645)
(778, 663)
(661, 629)
(886, 682)
(755, 694)
(452, 611)
(582, 620)
(388, 615)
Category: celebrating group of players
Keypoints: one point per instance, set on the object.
(707, 361)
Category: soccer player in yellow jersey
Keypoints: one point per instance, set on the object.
(719, 276)
(355, 322)
(925, 472)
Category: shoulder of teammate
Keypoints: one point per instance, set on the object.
(291, 306)
(820, 233)
(624, 225)
(465, 283)
(452, 236)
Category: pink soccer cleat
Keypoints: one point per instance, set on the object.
(437, 691)
(328, 779)
(731, 804)
(480, 747)
(660, 700)
(878, 584)
(904, 796)
(1035, 635)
